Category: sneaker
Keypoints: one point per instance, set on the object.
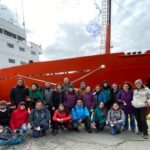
(145, 136)
(133, 130)
(76, 130)
(139, 133)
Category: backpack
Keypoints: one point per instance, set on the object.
(8, 137)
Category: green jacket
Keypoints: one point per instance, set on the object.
(36, 95)
(99, 116)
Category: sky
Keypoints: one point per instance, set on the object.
(71, 28)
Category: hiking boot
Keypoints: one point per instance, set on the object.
(145, 136)
(89, 130)
(55, 132)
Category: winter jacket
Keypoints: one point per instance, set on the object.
(116, 115)
(108, 93)
(39, 117)
(48, 94)
(36, 95)
(58, 115)
(88, 100)
(58, 98)
(70, 99)
(100, 97)
(125, 98)
(18, 94)
(141, 98)
(5, 117)
(99, 116)
(18, 118)
(79, 112)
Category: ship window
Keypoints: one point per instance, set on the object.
(21, 38)
(11, 60)
(33, 52)
(1, 30)
(10, 45)
(9, 34)
(22, 49)
(22, 62)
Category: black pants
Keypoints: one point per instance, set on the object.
(140, 115)
(100, 126)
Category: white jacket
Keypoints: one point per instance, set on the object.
(141, 98)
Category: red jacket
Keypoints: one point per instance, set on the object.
(18, 118)
(57, 115)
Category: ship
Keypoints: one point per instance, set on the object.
(114, 67)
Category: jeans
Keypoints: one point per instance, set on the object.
(115, 129)
(23, 128)
(43, 128)
(132, 122)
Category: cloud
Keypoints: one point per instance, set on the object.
(73, 42)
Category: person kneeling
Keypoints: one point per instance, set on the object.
(19, 118)
(99, 118)
(116, 119)
(80, 114)
(39, 120)
(61, 118)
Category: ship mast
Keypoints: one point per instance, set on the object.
(105, 37)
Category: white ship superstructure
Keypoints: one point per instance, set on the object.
(14, 49)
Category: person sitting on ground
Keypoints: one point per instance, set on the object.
(81, 114)
(99, 118)
(39, 120)
(61, 118)
(5, 114)
(116, 119)
(19, 119)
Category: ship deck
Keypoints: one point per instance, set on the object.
(84, 141)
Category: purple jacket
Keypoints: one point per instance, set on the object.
(125, 99)
(88, 100)
(70, 99)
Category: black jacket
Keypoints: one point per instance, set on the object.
(5, 117)
(18, 94)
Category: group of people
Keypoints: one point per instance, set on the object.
(67, 107)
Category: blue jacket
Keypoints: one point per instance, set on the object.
(79, 112)
(101, 97)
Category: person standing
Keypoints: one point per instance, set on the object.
(141, 100)
(125, 97)
(18, 93)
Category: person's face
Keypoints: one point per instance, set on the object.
(105, 84)
(88, 89)
(61, 107)
(114, 87)
(66, 80)
(22, 107)
(138, 85)
(83, 86)
(20, 82)
(115, 106)
(97, 88)
(2, 107)
(47, 84)
(59, 87)
(39, 106)
(101, 105)
(70, 89)
(79, 103)
(125, 87)
(33, 87)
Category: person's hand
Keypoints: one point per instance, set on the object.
(91, 110)
(53, 108)
(80, 121)
(14, 131)
(1, 127)
(115, 122)
(28, 99)
(58, 119)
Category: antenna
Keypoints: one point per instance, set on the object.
(23, 17)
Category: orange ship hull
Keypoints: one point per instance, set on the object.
(93, 70)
